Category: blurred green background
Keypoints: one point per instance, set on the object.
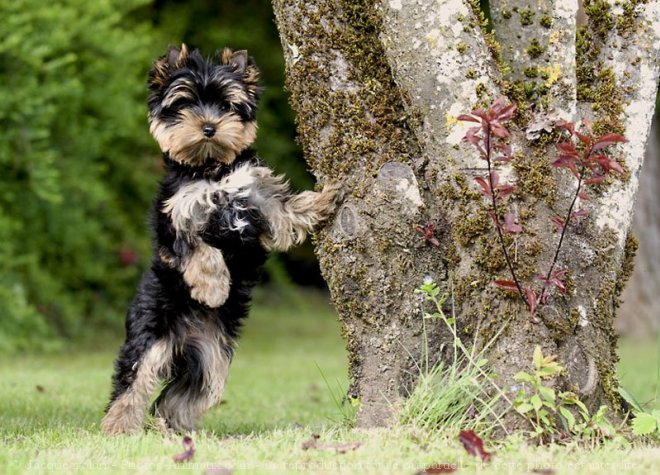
(78, 169)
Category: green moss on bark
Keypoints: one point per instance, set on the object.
(626, 22)
(600, 16)
(526, 17)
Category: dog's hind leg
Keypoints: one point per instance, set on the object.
(197, 379)
(140, 366)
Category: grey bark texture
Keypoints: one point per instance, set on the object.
(377, 87)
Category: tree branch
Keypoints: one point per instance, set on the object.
(629, 66)
(442, 65)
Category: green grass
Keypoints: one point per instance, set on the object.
(51, 405)
(638, 370)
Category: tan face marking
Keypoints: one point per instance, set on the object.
(186, 143)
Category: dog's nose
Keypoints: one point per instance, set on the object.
(209, 130)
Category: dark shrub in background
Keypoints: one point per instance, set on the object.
(77, 166)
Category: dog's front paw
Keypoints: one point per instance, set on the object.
(333, 194)
(328, 200)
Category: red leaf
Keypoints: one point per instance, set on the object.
(567, 161)
(541, 278)
(532, 301)
(607, 140)
(506, 284)
(494, 218)
(499, 131)
(507, 113)
(467, 118)
(570, 126)
(428, 232)
(474, 445)
(583, 196)
(188, 453)
(471, 135)
(481, 114)
(485, 186)
(614, 165)
(506, 152)
(604, 162)
(496, 107)
(437, 468)
(510, 225)
(559, 274)
(567, 148)
(612, 138)
(494, 178)
(558, 222)
(607, 163)
(498, 111)
(594, 179)
(505, 190)
(555, 280)
(585, 139)
(576, 216)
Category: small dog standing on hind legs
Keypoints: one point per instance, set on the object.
(218, 212)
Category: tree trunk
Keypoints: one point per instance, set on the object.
(377, 87)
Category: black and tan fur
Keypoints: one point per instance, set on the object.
(218, 212)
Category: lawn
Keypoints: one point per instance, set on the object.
(283, 386)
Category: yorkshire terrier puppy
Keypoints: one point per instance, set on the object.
(218, 212)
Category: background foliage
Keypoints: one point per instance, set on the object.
(78, 168)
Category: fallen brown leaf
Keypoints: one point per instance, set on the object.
(474, 445)
(188, 451)
(313, 443)
(437, 468)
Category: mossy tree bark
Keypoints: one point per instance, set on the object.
(377, 87)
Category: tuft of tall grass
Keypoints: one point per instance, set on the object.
(458, 395)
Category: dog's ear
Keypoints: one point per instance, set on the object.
(163, 67)
(177, 57)
(241, 63)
